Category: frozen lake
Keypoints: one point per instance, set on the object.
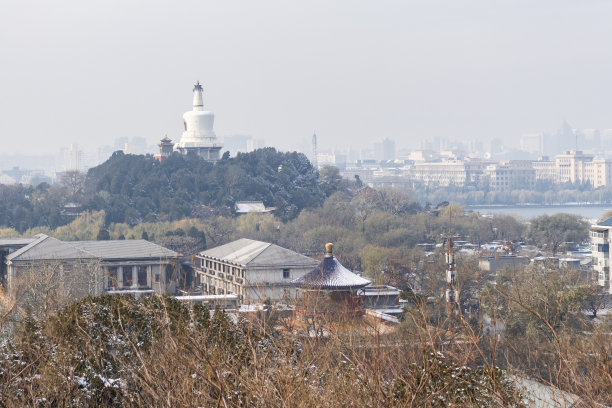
(527, 212)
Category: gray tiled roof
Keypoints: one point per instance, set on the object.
(251, 253)
(16, 241)
(125, 249)
(49, 248)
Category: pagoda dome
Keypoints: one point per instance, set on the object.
(198, 123)
(330, 275)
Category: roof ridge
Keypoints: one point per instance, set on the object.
(262, 251)
(24, 249)
(284, 250)
(79, 249)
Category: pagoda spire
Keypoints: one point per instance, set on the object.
(198, 101)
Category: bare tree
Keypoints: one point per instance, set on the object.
(74, 181)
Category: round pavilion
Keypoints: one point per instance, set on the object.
(330, 289)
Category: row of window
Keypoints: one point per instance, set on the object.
(219, 267)
(128, 276)
(131, 274)
(213, 287)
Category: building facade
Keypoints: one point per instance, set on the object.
(135, 267)
(447, 172)
(253, 270)
(545, 169)
(600, 252)
(508, 175)
(166, 148)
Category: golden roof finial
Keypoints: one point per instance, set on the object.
(329, 247)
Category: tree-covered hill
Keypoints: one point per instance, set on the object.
(135, 188)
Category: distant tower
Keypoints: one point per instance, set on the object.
(199, 136)
(314, 151)
(166, 148)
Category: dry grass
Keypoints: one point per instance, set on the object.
(116, 351)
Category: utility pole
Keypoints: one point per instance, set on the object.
(452, 294)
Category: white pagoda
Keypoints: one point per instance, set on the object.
(199, 136)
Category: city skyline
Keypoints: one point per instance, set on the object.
(353, 72)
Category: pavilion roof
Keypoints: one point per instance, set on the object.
(330, 275)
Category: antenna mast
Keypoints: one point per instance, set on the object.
(315, 163)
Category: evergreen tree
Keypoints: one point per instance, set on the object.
(103, 235)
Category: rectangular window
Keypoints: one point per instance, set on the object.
(142, 275)
(169, 273)
(127, 276)
(286, 273)
(112, 277)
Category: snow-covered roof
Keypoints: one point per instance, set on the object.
(207, 297)
(330, 275)
(244, 207)
(7, 242)
(124, 249)
(252, 253)
(45, 248)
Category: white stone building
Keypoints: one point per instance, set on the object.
(508, 175)
(253, 270)
(545, 169)
(447, 172)
(576, 167)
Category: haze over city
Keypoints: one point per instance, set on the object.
(299, 204)
(354, 72)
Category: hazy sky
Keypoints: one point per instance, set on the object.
(355, 71)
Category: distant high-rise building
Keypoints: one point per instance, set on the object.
(590, 139)
(104, 152)
(199, 136)
(236, 143)
(120, 142)
(137, 145)
(496, 146)
(253, 144)
(73, 158)
(564, 139)
(532, 143)
(474, 146)
(385, 150)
